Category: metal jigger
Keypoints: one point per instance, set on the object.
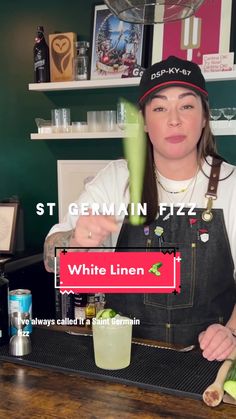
(20, 344)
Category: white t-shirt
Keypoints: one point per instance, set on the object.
(110, 186)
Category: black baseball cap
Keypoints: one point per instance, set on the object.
(171, 72)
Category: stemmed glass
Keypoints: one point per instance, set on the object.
(229, 113)
(215, 114)
(122, 117)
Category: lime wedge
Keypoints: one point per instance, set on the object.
(107, 313)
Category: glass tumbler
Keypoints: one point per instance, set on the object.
(121, 115)
(65, 119)
(56, 120)
(108, 120)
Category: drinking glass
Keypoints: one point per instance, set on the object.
(94, 119)
(56, 120)
(229, 113)
(65, 119)
(215, 114)
(60, 120)
(121, 115)
(108, 120)
(112, 342)
(79, 126)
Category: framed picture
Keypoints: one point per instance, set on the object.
(117, 46)
(72, 175)
(207, 32)
(8, 224)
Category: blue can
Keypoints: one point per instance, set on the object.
(20, 301)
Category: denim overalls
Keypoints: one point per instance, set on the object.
(208, 292)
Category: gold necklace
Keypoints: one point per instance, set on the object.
(182, 190)
(172, 192)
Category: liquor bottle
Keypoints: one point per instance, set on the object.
(90, 309)
(81, 62)
(4, 316)
(80, 301)
(41, 58)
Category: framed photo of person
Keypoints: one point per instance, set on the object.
(8, 224)
(117, 46)
(207, 32)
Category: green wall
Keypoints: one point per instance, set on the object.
(28, 168)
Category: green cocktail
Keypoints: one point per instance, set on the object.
(112, 342)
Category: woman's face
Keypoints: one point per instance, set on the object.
(174, 120)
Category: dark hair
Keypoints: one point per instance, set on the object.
(206, 147)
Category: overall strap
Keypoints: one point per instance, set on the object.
(212, 188)
(214, 178)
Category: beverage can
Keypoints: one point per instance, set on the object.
(20, 301)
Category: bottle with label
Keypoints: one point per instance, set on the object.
(41, 58)
(81, 62)
(80, 301)
(90, 310)
(99, 301)
(4, 316)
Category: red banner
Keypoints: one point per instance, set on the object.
(120, 272)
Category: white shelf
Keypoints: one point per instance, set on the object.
(86, 84)
(221, 75)
(77, 135)
(219, 128)
(109, 83)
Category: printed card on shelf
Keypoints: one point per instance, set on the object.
(218, 62)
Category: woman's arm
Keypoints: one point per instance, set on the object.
(109, 186)
(60, 239)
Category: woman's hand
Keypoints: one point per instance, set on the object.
(92, 230)
(216, 342)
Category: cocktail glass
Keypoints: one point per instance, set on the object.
(112, 342)
(215, 114)
(122, 116)
(229, 113)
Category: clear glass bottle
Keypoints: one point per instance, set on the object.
(80, 301)
(90, 309)
(81, 62)
(99, 301)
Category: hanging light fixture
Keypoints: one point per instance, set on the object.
(153, 11)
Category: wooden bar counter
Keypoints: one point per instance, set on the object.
(27, 392)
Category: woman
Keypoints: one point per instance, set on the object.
(182, 168)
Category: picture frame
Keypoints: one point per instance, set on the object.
(8, 227)
(117, 49)
(189, 38)
(72, 175)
